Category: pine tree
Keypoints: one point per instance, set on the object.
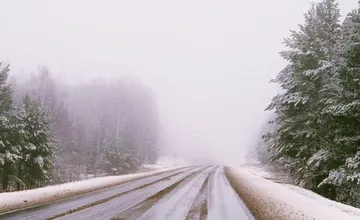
(117, 159)
(38, 144)
(82, 118)
(9, 149)
(343, 108)
(300, 141)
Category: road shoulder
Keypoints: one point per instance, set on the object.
(267, 199)
(261, 206)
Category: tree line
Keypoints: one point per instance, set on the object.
(316, 125)
(52, 132)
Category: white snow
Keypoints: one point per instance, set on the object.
(300, 200)
(171, 162)
(224, 202)
(165, 162)
(152, 166)
(260, 172)
(177, 203)
(21, 199)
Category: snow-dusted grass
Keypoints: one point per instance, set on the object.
(290, 202)
(23, 199)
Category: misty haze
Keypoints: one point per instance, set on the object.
(180, 109)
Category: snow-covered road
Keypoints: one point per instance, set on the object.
(200, 192)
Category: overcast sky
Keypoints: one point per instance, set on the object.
(209, 61)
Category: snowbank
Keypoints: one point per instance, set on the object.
(23, 199)
(269, 200)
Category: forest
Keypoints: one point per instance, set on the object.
(53, 132)
(314, 130)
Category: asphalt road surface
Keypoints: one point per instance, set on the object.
(191, 193)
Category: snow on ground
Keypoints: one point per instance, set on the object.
(22, 199)
(171, 162)
(165, 162)
(152, 166)
(336, 205)
(260, 172)
(289, 201)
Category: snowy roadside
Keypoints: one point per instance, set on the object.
(267, 199)
(164, 162)
(28, 198)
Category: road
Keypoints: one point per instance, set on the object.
(190, 193)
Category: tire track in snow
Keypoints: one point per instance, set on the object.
(115, 206)
(139, 209)
(59, 198)
(224, 203)
(199, 209)
(194, 193)
(64, 206)
(177, 204)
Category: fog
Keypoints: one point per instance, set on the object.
(209, 61)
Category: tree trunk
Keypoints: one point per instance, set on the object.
(5, 181)
(18, 185)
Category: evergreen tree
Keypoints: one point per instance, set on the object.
(116, 123)
(38, 144)
(9, 150)
(117, 159)
(343, 108)
(302, 133)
